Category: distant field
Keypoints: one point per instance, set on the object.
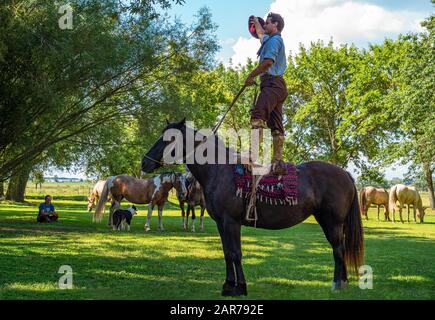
(294, 263)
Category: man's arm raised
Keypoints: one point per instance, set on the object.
(259, 29)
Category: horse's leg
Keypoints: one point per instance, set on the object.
(378, 211)
(201, 219)
(160, 208)
(193, 218)
(335, 235)
(183, 213)
(111, 210)
(367, 209)
(186, 222)
(415, 212)
(147, 226)
(400, 212)
(235, 284)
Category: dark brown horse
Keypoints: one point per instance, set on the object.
(324, 190)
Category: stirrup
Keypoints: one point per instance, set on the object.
(252, 206)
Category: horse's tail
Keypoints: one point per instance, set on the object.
(362, 199)
(392, 199)
(354, 237)
(98, 214)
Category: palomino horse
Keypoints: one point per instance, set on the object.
(406, 195)
(95, 194)
(372, 195)
(325, 191)
(194, 197)
(153, 191)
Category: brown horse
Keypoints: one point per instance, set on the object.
(324, 190)
(195, 197)
(406, 195)
(95, 194)
(377, 196)
(153, 191)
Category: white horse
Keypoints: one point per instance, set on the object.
(406, 195)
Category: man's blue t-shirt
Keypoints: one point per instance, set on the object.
(43, 207)
(274, 49)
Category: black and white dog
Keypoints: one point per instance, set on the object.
(122, 218)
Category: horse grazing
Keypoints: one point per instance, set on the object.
(195, 197)
(95, 194)
(324, 190)
(153, 191)
(372, 195)
(406, 195)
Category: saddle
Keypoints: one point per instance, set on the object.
(268, 188)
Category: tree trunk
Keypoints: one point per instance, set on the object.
(428, 174)
(2, 189)
(17, 185)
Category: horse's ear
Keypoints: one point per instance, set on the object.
(167, 121)
(183, 122)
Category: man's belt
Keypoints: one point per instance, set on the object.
(267, 76)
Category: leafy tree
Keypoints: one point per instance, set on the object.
(372, 176)
(38, 178)
(67, 83)
(335, 110)
(415, 98)
(58, 83)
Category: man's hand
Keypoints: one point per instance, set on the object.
(250, 80)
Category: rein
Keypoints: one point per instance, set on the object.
(154, 160)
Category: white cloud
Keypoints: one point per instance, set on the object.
(344, 21)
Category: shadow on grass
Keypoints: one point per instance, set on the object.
(294, 263)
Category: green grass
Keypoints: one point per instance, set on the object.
(294, 263)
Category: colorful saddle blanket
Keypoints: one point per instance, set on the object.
(272, 189)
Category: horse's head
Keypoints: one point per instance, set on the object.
(421, 213)
(180, 186)
(156, 155)
(90, 203)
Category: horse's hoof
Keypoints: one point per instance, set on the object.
(147, 229)
(231, 290)
(339, 285)
(161, 229)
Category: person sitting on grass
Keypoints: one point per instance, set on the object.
(46, 211)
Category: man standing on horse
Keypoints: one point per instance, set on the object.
(267, 111)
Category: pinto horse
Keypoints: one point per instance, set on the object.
(153, 191)
(406, 195)
(324, 190)
(377, 196)
(194, 197)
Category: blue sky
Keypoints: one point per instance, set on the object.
(308, 20)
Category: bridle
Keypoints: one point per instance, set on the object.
(154, 160)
